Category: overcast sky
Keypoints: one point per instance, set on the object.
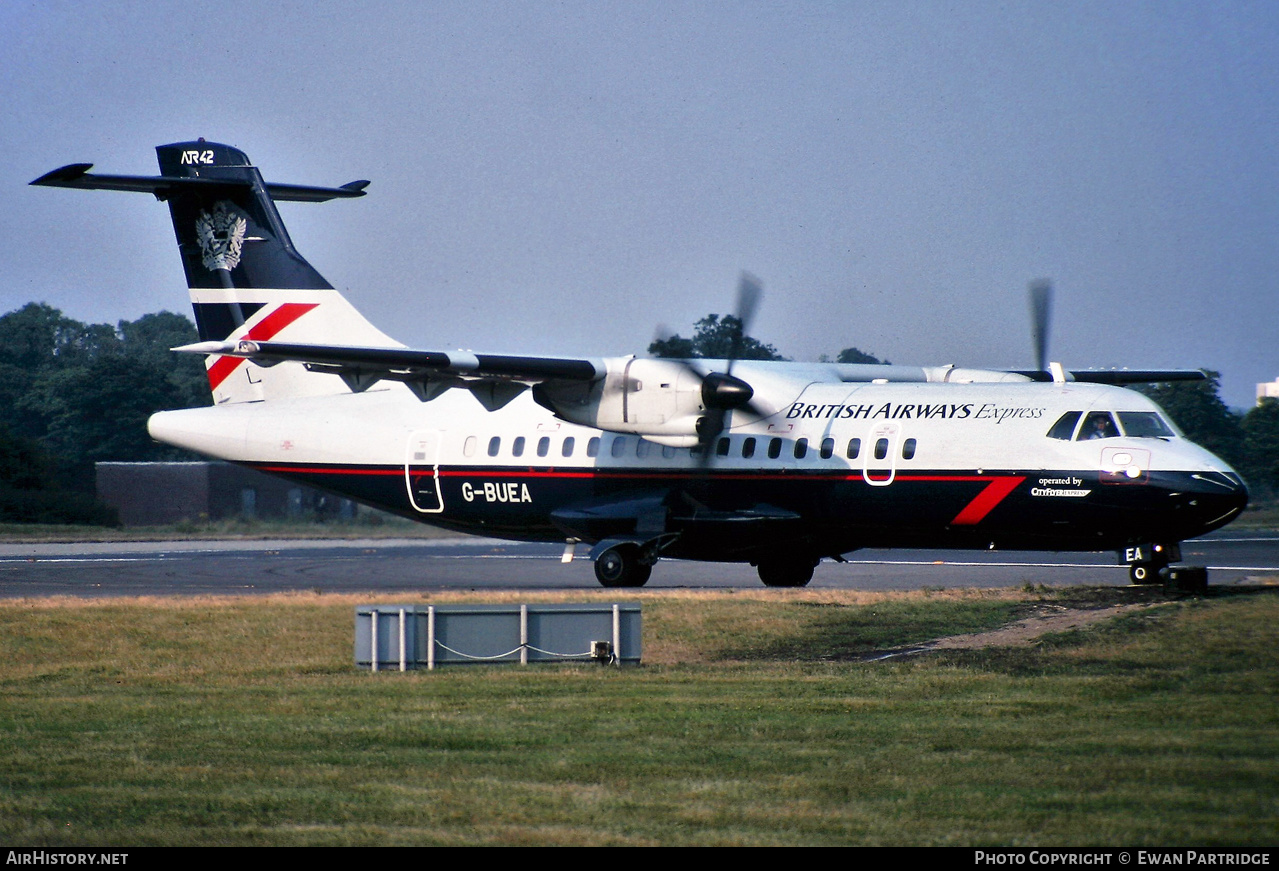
(559, 178)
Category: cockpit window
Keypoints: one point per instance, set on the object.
(1064, 428)
(1098, 425)
(1144, 425)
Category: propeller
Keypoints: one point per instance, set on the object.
(722, 392)
(749, 293)
(1041, 296)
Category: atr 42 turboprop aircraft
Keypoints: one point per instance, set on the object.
(774, 464)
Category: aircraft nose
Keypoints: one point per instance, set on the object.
(1216, 497)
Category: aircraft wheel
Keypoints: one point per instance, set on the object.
(785, 572)
(1144, 573)
(620, 567)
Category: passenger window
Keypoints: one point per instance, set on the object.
(568, 447)
(469, 446)
(619, 446)
(774, 448)
(517, 447)
(881, 449)
(593, 447)
(495, 445)
(828, 448)
(642, 447)
(543, 446)
(908, 449)
(721, 448)
(748, 448)
(668, 452)
(1064, 428)
(801, 449)
(1145, 425)
(854, 448)
(1098, 425)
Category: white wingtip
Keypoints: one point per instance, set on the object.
(206, 348)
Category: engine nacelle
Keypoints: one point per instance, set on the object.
(659, 399)
(953, 375)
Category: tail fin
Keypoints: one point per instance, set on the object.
(246, 279)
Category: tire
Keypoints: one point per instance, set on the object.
(1144, 574)
(785, 572)
(620, 567)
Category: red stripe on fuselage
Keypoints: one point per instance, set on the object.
(331, 470)
(996, 490)
(985, 501)
(263, 331)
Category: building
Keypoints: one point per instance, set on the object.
(151, 494)
(1269, 390)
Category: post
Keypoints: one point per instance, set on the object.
(523, 634)
(404, 665)
(430, 637)
(617, 634)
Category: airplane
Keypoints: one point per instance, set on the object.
(775, 464)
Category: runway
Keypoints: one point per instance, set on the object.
(414, 565)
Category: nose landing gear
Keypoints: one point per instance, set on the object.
(1149, 564)
(1147, 573)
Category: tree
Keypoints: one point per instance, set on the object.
(84, 392)
(1260, 465)
(1197, 408)
(146, 344)
(36, 335)
(99, 411)
(714, 339)
(856, 355)
(28, 493)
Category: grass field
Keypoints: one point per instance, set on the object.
(758, 718)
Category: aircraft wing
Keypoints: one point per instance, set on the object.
(495, 379)
(1121, 376)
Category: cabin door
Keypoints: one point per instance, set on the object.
(880, 465)
(422, 471)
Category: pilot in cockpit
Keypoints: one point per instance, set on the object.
(1099, 425)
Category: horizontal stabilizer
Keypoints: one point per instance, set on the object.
(77, 175)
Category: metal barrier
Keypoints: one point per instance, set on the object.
(416, 636)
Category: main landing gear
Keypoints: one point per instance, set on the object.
(623, 565)
(786, 571)
(629, 564)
